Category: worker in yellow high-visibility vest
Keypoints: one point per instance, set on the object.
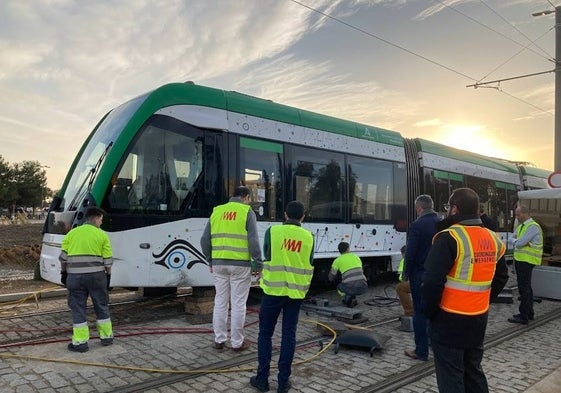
(287, 275)
(86, 259)
(353, 282)
(528, 249)
(229, 242)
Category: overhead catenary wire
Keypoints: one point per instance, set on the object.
(418, 55)
(532, 42)
(547, 57)
(510, 58)
(385, 41)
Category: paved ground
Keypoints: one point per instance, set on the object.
(515, 365)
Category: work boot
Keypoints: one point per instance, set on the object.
(78, 348)
(262, 386)
(518, 319)
(284, 387)
(107, 341)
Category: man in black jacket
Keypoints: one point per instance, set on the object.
(456, 291)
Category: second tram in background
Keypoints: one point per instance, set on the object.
(160, 162)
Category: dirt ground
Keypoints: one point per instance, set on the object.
(20, 249)
(20, 234)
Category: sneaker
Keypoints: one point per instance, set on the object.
(107, 341)
(262, 386)
(78, 348)
(284, 388)
(219, 346)
(243, 347)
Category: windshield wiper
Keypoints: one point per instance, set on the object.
(89, 178)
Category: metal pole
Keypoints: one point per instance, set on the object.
(557, 136)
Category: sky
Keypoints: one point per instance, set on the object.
(402, 65)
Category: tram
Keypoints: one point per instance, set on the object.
(160, 162)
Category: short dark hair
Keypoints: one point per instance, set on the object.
(294, 210)
(241, 192)
(93, 211)
(466, 200)
(343, 247)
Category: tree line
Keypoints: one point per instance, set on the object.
(23, 184)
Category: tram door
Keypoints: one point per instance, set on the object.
(260, 164)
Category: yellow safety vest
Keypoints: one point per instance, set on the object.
(289, 272)
(400, 269)
(468, 283)
(228, 232)
(350, 266)
(531, 252)
(86, 249)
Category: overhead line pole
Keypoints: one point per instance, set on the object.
(557, 133)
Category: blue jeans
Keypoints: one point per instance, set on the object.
(420, 324)
(271, 307)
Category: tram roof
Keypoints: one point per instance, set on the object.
(533, 171)
(430, 147)
(190, 93)
(548, 193)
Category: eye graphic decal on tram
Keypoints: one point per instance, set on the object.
(178, 253)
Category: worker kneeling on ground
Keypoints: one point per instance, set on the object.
(353, 282)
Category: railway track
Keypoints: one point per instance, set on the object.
(388, 385)
(123, 313)
(165, 362)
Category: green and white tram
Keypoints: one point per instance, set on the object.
(160, 162)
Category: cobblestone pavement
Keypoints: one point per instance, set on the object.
(512, 366)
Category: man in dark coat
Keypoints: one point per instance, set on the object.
(456, 302)
(419, 240)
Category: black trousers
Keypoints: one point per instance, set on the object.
(458, 370)
(524, 280)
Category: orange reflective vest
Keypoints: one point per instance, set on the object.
(468, 283)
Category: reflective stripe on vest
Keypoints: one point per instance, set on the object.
(289, 272)
(468, 283)
(531, 252)
(228, 233)
(350, 266)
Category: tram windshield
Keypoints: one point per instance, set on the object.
(92, 157)
(60, 220)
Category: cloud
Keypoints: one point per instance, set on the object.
(429, 123)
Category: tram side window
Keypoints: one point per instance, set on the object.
(493, 196)
(371, 189)
(439, 185)
(261, 163)
(160, 171)
(318, 181)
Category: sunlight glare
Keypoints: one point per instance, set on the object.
(474, 138)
